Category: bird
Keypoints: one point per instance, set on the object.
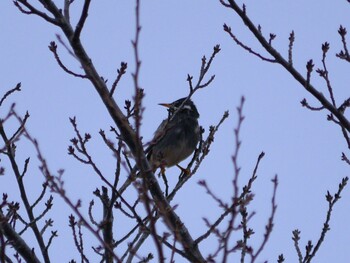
(177, 136)
(174, 140)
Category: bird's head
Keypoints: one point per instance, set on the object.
(186, 107)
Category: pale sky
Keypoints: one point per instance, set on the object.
(302, 147)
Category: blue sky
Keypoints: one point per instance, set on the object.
(301, 147)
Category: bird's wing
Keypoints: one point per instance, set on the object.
(159, 134)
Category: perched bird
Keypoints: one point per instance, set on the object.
(176, 137)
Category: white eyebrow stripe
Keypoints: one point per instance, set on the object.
(188, 107)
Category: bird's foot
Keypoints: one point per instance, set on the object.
(184, 171)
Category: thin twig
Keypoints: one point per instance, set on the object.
(269, 225)
(296, 238)
(249, 49)
(8, 93)
(53, 49)
(324, 72)
(290, 47)
(343, 54)
(32, 10)
(332, 200)
(304, 103)
(121, 71)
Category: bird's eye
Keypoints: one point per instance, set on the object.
(172, 110)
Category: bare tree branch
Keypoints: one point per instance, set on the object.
(289, 67)
(22, 188)
(121, 72)
(17, 241)
(83, 17)
(8, 93)
(53, 49)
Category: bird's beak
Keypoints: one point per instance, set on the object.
(165, 105)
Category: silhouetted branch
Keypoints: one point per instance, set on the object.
(343, 54)
(240, 200)
(66, 7)
(280, 258)
(250, 50)
(78, 240)
(202, 73)
(55, 183)
(277, 57)
(16, 241)
(121, 71)
(42, 194)
(270, 224)
(331, 199)
(311, 250)
(8, 93)
(304, 103)
(32, 10)
(344, 158)
(83, 17)
(290, 47)
(324, 72)
(53, 49)
(79, 144)
(10, 153)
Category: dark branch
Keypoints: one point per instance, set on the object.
(121, 72)
(80, 25)
(16, 241)
(250, 50)
(279, 59)
(8, 93)
(32, 10)
(53, 49)
(290, 48)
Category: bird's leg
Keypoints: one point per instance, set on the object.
(184, 171)
(162, 170)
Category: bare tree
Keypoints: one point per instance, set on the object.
(151, 211)
(335, 110)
